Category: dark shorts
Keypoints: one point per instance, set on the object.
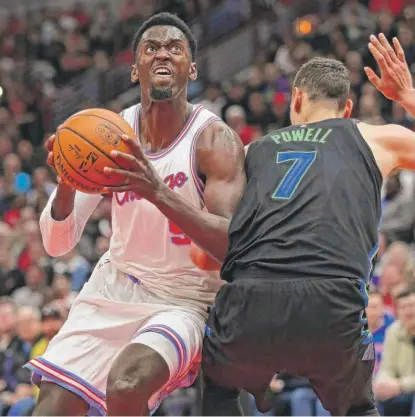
(309, 328)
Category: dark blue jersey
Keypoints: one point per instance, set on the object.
(312, 205)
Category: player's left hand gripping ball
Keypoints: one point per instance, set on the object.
(138, 173)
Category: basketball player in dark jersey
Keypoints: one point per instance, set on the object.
(303, 242)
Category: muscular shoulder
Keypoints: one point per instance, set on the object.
(218, 135)
(219, 144)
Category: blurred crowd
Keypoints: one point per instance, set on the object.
(43, 50)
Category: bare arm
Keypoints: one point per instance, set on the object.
(395, 81)
(393, 146)
(220, 158)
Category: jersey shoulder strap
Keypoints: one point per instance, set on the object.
(131, 115)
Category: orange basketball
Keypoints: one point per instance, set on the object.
(82, 149)
(202, 260)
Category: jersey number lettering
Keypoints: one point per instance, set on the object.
(301, 162)
(178, 238)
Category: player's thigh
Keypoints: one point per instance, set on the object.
(177, 337)
(344, 382)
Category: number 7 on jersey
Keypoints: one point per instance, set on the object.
(301, 162)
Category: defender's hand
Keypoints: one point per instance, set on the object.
(138, 173)
(395, 79)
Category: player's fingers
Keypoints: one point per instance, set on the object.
(388, 48)
(373, 78)
(399, 50)
(127, 175)
(124, 159)
(135, 146)
(379, 53)
(117, 189)
(50, 160)
(49, 143)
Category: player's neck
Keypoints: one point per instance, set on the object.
(161, 123)
(316, 115)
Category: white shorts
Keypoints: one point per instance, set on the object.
(112, 311)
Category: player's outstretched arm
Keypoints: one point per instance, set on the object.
(220, 158)
(395, 81)
(65, 215)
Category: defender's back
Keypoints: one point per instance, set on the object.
(311, 207)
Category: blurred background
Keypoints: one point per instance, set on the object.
(59, 57)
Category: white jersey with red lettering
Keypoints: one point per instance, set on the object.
(145, 244)
(145, 290)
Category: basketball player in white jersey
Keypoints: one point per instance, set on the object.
(135, 331)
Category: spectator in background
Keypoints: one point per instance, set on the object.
(235, 117)
(259, 115)
(390, 278)
(398, 216)
(36, 293)
(14, 353)
(370, 110)
(378, 320)
(280, 109)
(236, 95)
(395, 381)
(52, 321)
(399, 254)
(28, 325)
(214, 99)
(79, 269)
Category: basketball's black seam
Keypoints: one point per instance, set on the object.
(100, 117)
(94, 146)
(66, 160)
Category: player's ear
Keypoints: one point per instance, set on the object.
(348, 109)
(297, 101)
(134, 74)
(193, 71)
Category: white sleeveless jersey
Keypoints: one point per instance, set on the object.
(145, 244)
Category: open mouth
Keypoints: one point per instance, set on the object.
(163, 71)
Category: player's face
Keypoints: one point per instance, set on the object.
(164, 64)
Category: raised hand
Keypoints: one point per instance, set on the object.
(138, 173)
(395, 78)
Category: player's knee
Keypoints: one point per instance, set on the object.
(137, 374)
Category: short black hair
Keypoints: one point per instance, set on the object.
(166, 19)
(324, 79)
